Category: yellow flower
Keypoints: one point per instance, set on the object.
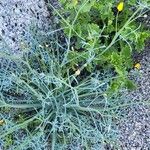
(2, 122)
(137, 66)
(77, 72)
(120, 6)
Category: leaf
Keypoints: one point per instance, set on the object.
(132, 2)
(126, 56)
(87, 5)
(130, 84)
(94, 31)
(116, 59)
(142, 36)
(126, 52)
(115, 86)
(72, 4)
(120, 70)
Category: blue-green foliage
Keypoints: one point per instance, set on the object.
(44, 105)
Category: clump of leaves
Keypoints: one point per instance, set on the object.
(105, 34)
(52, 108)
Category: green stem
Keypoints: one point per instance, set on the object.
(53, 140)
(118, 33)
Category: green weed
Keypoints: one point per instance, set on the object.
(101, 35)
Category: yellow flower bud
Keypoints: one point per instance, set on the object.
(2, 122)
(120, 6)
(137, 66)
(77, 72)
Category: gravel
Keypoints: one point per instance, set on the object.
(16, 19)
(135, 129)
